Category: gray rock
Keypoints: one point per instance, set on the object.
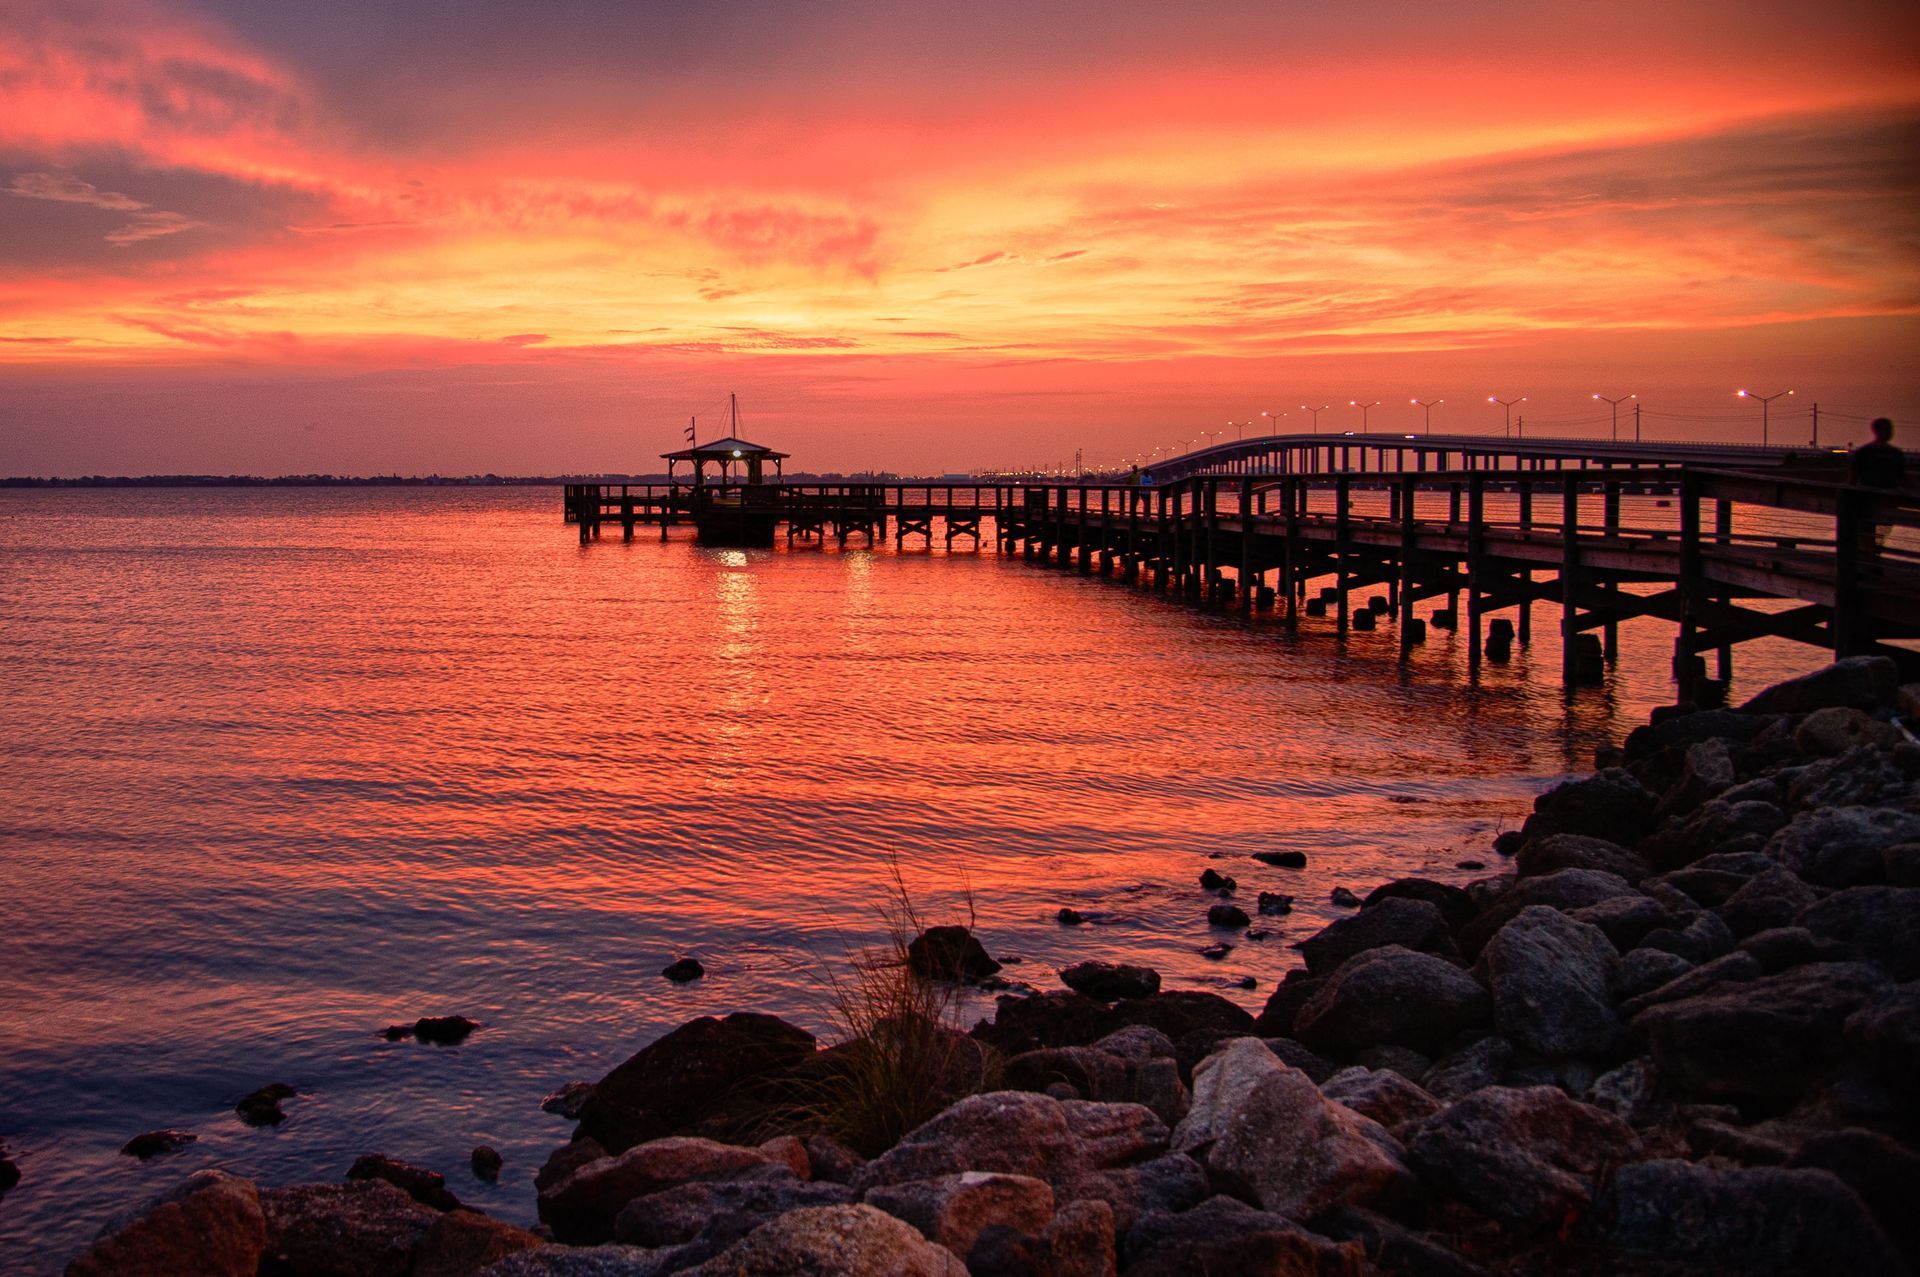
(1703, 938)
(1772, 898)
(1706, 772)
(1730, 968)
(1781, 948)
(847, 1241)
(583, 1261)
(1763, 1041)
(1285, 1003)
(1555, 852)
(1297, 1153)
(1880, 924)
(1454, 904)
(1635, 1093)
(1077, 1242)
(1716, 827)
(1473, 1067)
(1411, 924)
(583, 1206)
(1751, 1221)
(365, 1227)
(1527, 1157)
(1711, 880)
(1174, 1182)
(706, 1217)
(1565, 890)
(1017, 1133)
(1885, 1175)
(1842, 846)
(1392, 996)
(1839, 728)
(1222, 1237)
(1624, 919)
(1864, 776)
(1221, 1083)
(1552, 984)
(1407, 1062)
(1138, 1043)
(1643, 970)
(954, 1210)
(1381, 1094)
(1858, 682)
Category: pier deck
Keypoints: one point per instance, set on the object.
(1726, 544)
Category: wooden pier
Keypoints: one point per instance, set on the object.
(1727, 544)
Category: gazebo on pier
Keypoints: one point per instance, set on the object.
(725, 454)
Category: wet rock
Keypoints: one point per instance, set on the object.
(1221, 1083)
(485, 1162)
(569, 1100)
(444, 1030)
(1222, 1237)
(689, 1073)
(1385, 1095)
(848, 1241)
(1273, 904)
(683, 970)
(1764, 1041)
(1412, 924)
(954, 1210)
(461, 1243)
(429, 1188)
(1296, 1153)
(1525, 1156)
(1551, 980)
(1857, 682)
(583, 1206)
(706, 1217)
(262, 1107)
(1069, 917)
(1609, 804)
(1282, 859)
(157, 1143)
(9, 1171)
(1465, 1069)
(1284, 1004)
(1111, 981)
(364, 1229)
(1565, 890)
(1751, 1221)
(1391, 996)
(1216, 952)
(210, 1225)
(1214, 880)
(1843, 846)
(1018, 1133)
(1644, 970)
(1879, 924)
(1174, 1182)
(1344, 898)
(1232, 917)
(949, 953)
(1454, 904)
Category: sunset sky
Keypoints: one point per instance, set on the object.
(258, 236)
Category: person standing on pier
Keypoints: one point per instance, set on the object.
(1877, 464)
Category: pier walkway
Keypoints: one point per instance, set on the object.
(1726, 543)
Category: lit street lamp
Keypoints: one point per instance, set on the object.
(1766, 408)
(1316, 414)
(1363, 407)
(1428, 405)
(1274, 417)
(1615, 404)
(1508, 405)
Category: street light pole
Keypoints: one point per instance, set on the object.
(1316, 414)
(1428, 405)
(1616, 413)
(1508, 405)
(1766, 408)
(1363, 407)
(1274, 417)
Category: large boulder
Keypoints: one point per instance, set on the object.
(1839, 728)
(583, 1207)
(1843, 846)
(1411, 924)
(1565, 890)
(1526, 1156)
(1454, 904)
(367, 1228)
(1179, 1013)
(210, 1224)
(1678, 731)
(1380, 1094)
(1297, 1153)
(949, 953)
(705, 1217)
(1771, 898)
(690, 1072)
(1098, 1074)
(1391, 996)
(834, 1241)
(1019, 1133)
(1764, 1220)
(1554, 852)
(1220, 1086)
(1880, 924)
(1610, 804)
(1174, 1182)
(955, 1210)
(1856, 682)
(1053, 1018)
(462, 1242)
(1761, 1042)
(1552, 984)
(1717, 827)
(1222, 1237)
(1111, 981)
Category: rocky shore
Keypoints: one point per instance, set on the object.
(1681, 1034)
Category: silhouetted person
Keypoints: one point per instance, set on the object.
(1877, 464)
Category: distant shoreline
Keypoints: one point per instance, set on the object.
(385, 481)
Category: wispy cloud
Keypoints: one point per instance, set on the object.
(65, 188)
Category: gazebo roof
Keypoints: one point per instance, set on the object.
(727, 449)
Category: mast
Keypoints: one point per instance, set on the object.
(733, 410)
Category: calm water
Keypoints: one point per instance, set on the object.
(282, 768)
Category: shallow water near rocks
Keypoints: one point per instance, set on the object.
(284, 767)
